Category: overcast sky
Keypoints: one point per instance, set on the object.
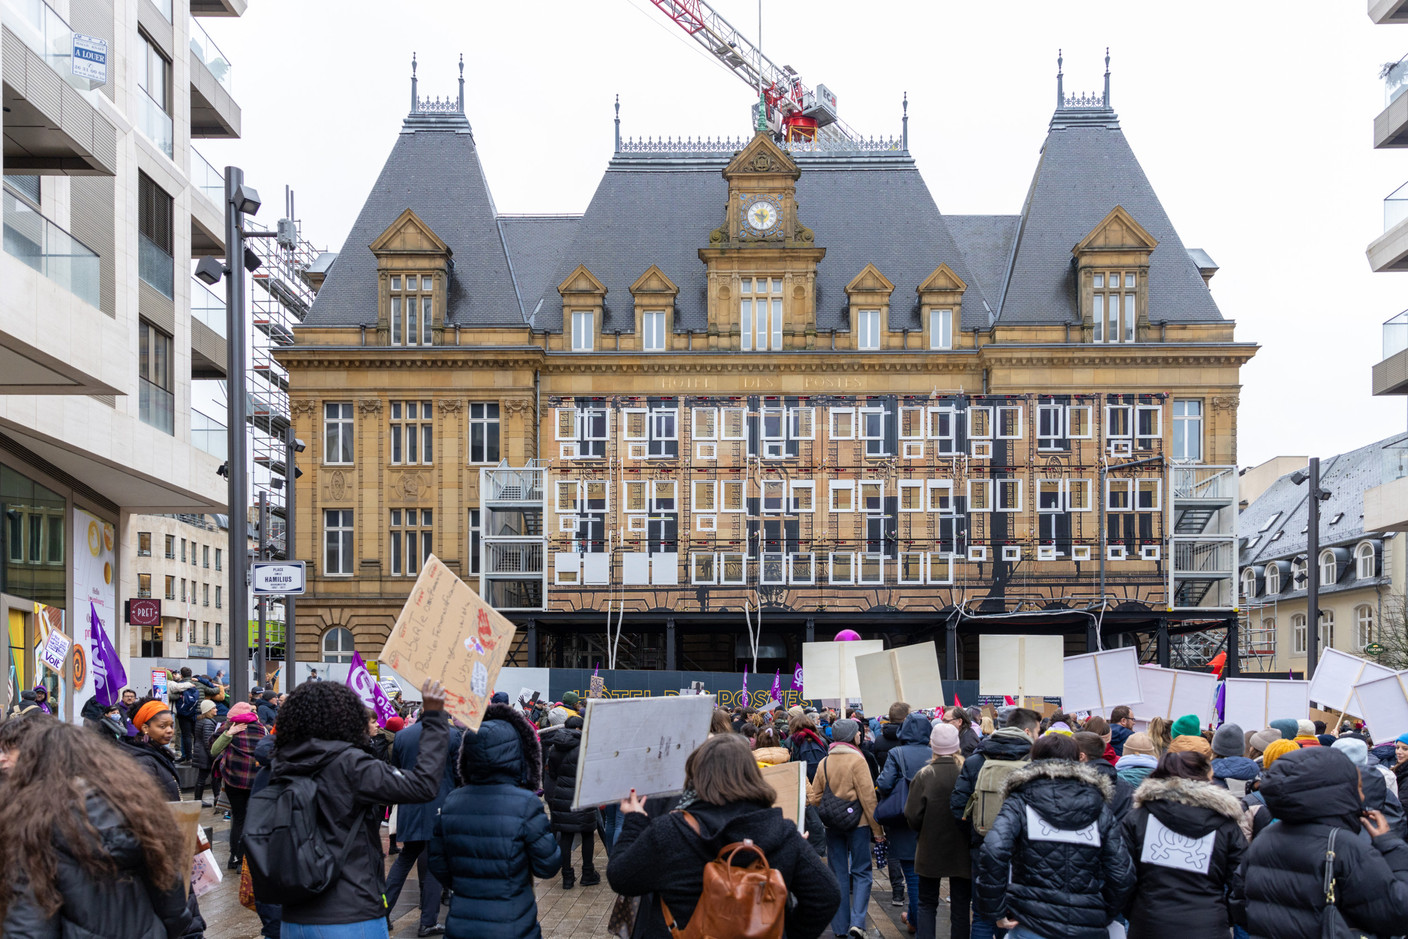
(1252, 120)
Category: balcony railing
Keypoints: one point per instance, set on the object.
(50, 250)
(48, 36)
(1396, 207)
(513, 485)
(156, 124)
(164, 8)
(1204, 482)
(1396, 335)
(208, 180)
(513, 557)
(208, 307)
(1395, 76)
(210, 435)
(156, 266)
(156, 406)
(205, 49)
(1393, 463)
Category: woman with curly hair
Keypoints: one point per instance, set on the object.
(323, 733)
(84, 858)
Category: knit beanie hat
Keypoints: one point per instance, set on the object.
(557, 717)
(570, 699)
(943, 739)
(1187, 725)
(1287, 727)
(844, 730)
(206, 706)
(1326, 740)
(1356, 750)
(1228, 741)
(1305, 728)
(1191, 742)
(1276, 750)
(1264, 738)
(1401, 738)
(1140, 744)
(500, 697)
(796, 710)
(395, 723)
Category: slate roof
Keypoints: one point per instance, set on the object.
(986, 243)
(433, 169)
(1086, 169)
(1286, 506)
(536, 244)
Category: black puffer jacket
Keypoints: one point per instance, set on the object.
(350, 782)
(1123, 800)
(664, 858)
(159, 764)
(1009, 743)
(1279, 890)
(124, 904)
(1377, 796)
(559, 784)
(492, 837)
(204, 737)
(1055, 860)
(886, 740)
(1185, 841)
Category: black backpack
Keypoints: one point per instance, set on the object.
(189, 705)
(289, 859)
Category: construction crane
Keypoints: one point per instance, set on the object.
(795, 113)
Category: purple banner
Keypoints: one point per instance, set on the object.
(108, 674)
(360, 680)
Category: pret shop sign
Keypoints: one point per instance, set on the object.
(144, 612)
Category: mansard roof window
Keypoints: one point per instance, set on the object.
(1115, 309)
(412, 309)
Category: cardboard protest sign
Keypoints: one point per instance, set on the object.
(1172, 692)
(56, 649)
(1387, 700)
(1255, 702)
(447, 632)
(1099, 680)
(909, 674)
(1020, 665)
(1336, 674)
(830, 667)
(638, 743)
(790, 781)
(187, 818)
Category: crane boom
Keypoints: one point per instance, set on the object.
(795, 111)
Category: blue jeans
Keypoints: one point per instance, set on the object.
(848, 853)
(911, 881)
(1022, 932)
(367, 929)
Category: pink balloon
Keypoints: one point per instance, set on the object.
(848, 635)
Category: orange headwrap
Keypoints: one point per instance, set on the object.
(1277, 749)
(146, 712)
(1193, 742)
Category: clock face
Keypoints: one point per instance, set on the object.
(762, 215)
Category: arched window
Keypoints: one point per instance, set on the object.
(338, 645)
(1299, 635)
(1327, 629)
(1298, 569)
(1273, 579)
(1364, 560)
(1248, 583)
(1327, 568)
(1363, 626)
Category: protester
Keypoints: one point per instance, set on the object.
(1279, 889)
(492, 836)
(1229, 763)
(156, 728)
(112, 868)
(1194, 742)
(967, 736)
(718, 722)
(268, 708)
(887, 737)
(559, 789)
(1121, 727)
(186, 694)
(1100, 727)
(1185, 840)
(805, 742)
(1138, 760)
(767, 751)
(1400, 768)
(844, 774)
(901, 765)
(322, 733)
(233, 748)
(415, 825)
(205, 730)
(1054, 863)
(942, 849)
(1305, 734)
(1288, 727)
(1160, 732)
(1092, 752)
(727, 801)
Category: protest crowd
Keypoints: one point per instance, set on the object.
(1001, 821)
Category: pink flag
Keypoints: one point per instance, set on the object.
(1007, 699)
(776, 693)
(957, 703)
(373, 696)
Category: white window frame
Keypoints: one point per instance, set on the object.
(343, 425)
(867, 558)
(710, 432)
(1363, 626)
(1080, 552)
(900, 567)
(346, 532)
(985, 412)
(943, 501)
(706, 523)
(724, 486)
(1011, 552)
(652, 323)
(1051, 437)
(1300, 634)
(868, 330)
(733, 416)
(947, 563)
(1150, 440)
(862, 420)
(713, 573)
(808, 486)
(850, 557)
(723, 565)
(761, 315)
(977, 552)
(1328, 567)
(834, 429)
(945, 444)
(917, 486)
(1150, 552)
(1113, 485)
(1115, 552)
(711, 503)
(1001, 414)
(767, 488)
(1087, 419)
(1272, 579)
(1187, 416)
(983, 486)
(1248, 584)
(1364, 560)
(835, 486)
(998, 492)
(870, 489)
(941, 329)
(1145, 486)
(583, 330)
(810, 564)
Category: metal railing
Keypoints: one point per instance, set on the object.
(48, 36)
(1395, 334)
(208, 307)
(1204, 482)
(209, 181)
(156, 266)
(156, 406)
(205, 49)
(1393, 463)
(726, 145)
(1396, 206)
(514, 485)
(210, 435)
(1204, 556)
(156, 124)
(1395, 76)
(507, 557)
(53, 252)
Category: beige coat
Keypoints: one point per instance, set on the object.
(771, 756)
(844, 768)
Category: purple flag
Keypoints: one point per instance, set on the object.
(797, 678)
(1221, 703)
(746, 699)
(108, 674)
(777, 687)
(360, 680)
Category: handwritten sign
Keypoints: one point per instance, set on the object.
(447, 632)
(598, 687)
(638, 743)
(789, 780)
(56, 648)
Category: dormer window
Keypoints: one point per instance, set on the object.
(412, 309)
(868, 329)
(760, 315)
(583, 330)
(940, 329)
(652, 328)
(1115, 305)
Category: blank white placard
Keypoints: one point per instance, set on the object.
(1020, 665)
(1254, 703)
(1099, 680)
(829, 668)
(909, 674)
(1173, 692)
(1387, 700)
(640, 744)
(1336, 674)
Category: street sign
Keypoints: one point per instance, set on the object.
(277, 577)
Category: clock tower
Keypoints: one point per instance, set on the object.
(762, 260)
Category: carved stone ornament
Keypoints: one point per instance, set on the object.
(515, 405)
(302, 406)
(409, 485)
(762, 163)
(1225, 402)
(369, 405)
(337, 485)
(450, 405)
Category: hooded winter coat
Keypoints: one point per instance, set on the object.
(907, 759)
(1055, 860)
(663, 858)
(1118, 735)
(771, 756)
(1377, 797)
(492, 836)
(1279, 889)
(942, 849)
(1186, 842)
(350, 782)
(206, 728)
(1134, 768)
(415, 821)
(1123, 800)
(886, 740)
(122, 904)
(1009, 743)
(844, 771)
(1237, 768)
(560, 781)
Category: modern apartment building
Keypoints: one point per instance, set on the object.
(762, 391)
(104, 335)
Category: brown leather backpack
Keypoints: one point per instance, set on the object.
(736, 902)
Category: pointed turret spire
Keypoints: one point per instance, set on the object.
(1107, 76)
(904, 124)
(1060, 92)
(461, 82)
(415, 99)
(762, 114)
(618, 123)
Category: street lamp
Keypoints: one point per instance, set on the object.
(292, 447)
(1312, 562)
